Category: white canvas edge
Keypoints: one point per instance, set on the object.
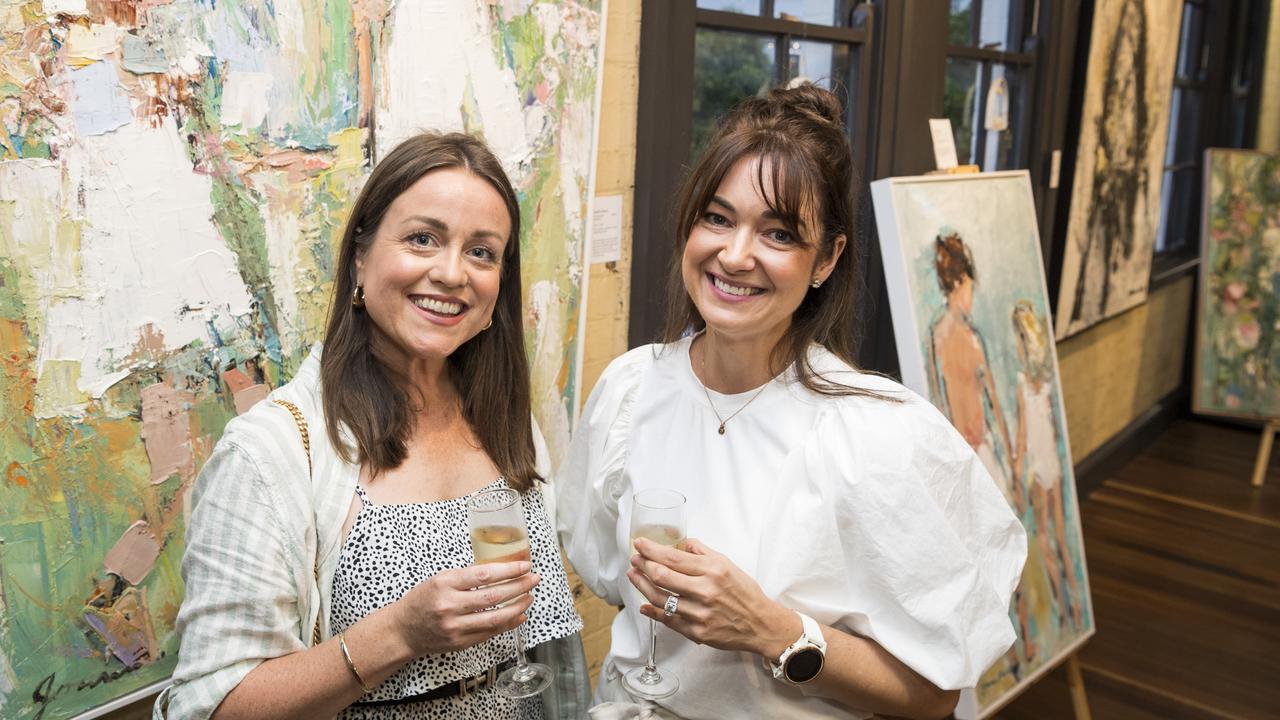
(124, 700)
(580, 353)
(1202, 291)
(901, 304)
(898, 286)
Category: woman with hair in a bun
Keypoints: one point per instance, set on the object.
(846, 552)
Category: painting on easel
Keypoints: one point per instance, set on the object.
(1238, 334)
(971, 315)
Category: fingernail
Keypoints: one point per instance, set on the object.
(537, 579)
(526, 566)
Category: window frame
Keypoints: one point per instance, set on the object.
(1230, 77)
(1025, 58)
(901, 74)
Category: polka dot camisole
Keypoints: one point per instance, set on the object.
(392, 548)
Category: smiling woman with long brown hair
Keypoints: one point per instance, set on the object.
(329, 568)
(847, 553)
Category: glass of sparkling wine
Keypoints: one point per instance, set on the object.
(498, 534)
(658, 515)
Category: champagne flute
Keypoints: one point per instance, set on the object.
(498, 534)
(658, 515)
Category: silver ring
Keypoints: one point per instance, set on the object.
(670, 608)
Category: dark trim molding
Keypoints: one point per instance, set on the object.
(1126, 444)
(1167, 269)
(739, 22)
(663, 125)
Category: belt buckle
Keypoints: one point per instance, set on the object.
(469, 685)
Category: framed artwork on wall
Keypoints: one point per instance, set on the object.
(971, 316)
(1115, 195)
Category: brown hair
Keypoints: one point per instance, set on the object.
(952, 261)
(490, 370)
(799, 135)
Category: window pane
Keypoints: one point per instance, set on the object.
(1171, 144)
(1188, 126)
(817, 12)
(961, 30)
(1191, 41)
(749, 7)
(825, 64)
(1179, 209)
(820, 62)
(961, 99)
(1001, 151)
(999, 30)
(727, 67)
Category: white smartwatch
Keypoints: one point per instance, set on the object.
(802, 661)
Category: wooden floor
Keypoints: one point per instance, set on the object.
(1184, 565)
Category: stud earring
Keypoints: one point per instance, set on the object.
(815, 284)
(357, 296)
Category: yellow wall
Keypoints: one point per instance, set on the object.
(1115, 371)
(1269, 113)
(609, 288)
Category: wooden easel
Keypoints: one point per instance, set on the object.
(1264, 452)
(1075, 682)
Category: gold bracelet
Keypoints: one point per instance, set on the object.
(346, 655)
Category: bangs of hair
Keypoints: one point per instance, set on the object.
(784, 177)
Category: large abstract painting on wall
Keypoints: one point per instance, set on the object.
(174, 175)
(1238, 337)
(971, 316)
(1115, 197)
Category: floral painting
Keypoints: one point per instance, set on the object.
(1238, 339)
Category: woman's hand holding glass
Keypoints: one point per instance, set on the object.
(499, 535)
(458, 608)
(719, 604)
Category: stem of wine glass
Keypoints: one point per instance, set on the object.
(652, 665)
(522, 672)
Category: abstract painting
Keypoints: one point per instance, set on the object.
(1115, 199)
(971, 315)
(174, 177)
(1238, 336)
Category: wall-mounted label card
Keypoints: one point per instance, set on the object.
(606, 229)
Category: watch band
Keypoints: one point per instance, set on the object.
(811, 640)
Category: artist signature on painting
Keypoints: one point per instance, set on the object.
(50, 689)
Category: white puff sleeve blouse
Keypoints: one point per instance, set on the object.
(872, 516)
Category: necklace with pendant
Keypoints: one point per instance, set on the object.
(724, 420)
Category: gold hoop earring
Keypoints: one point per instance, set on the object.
(357, 297)
(489, 325)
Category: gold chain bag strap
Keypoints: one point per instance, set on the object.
(306, 446)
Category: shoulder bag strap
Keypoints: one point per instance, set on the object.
(306, 446)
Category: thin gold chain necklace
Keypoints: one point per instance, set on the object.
(702, 363)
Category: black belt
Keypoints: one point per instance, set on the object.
(463, 687)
